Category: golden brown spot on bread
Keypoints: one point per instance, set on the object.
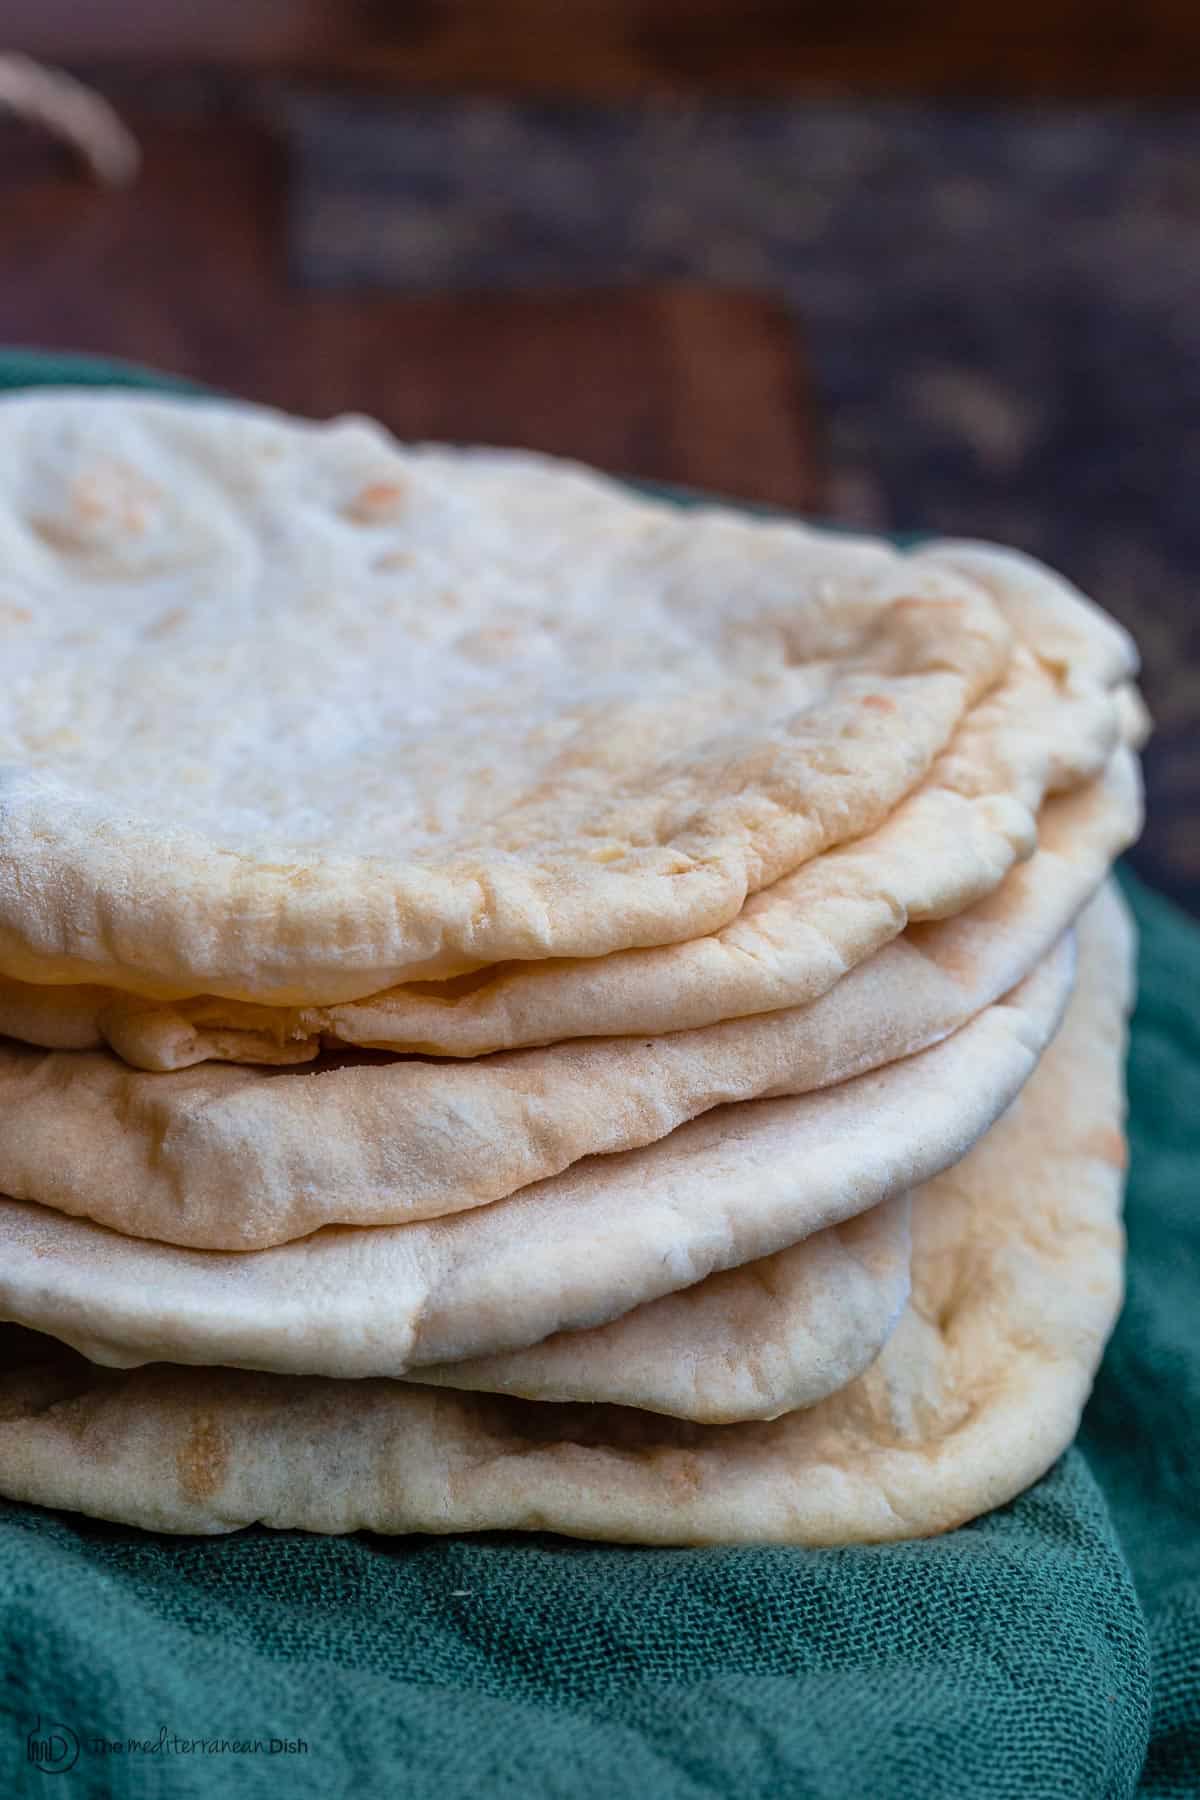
(167, 622)
(959, 961)
(1109, 1145)
(879, 703)
(53, 532)
(683, 1475)
(378, 500)
(114, 491)
(108, 493)
(203, 1459)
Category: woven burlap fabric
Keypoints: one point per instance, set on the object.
(1053, 1647)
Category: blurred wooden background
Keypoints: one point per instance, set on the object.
(1069, 47)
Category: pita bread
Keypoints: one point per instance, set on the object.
(749, 1343)
(1017, 1270)
(944, 848)
(592, 1243)
(234, 1158)
(1068, 631)
(293, 713)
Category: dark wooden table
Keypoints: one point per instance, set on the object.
(188, 271)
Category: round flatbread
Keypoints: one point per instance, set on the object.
(229, 1158)
(749, 1343)
(292, 713)
(946, 846)
(609, 1233)
(1017, 1282)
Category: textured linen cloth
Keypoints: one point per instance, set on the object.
(1050, 1648)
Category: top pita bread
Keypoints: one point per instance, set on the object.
(1017, 1282)
(328, 712)
(293, 714)
(943, 848)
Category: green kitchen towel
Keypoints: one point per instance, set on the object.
(1049, 1649)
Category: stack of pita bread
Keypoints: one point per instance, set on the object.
(530, 1007)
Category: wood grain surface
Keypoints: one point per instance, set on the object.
(618, 47)
(675, 383)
